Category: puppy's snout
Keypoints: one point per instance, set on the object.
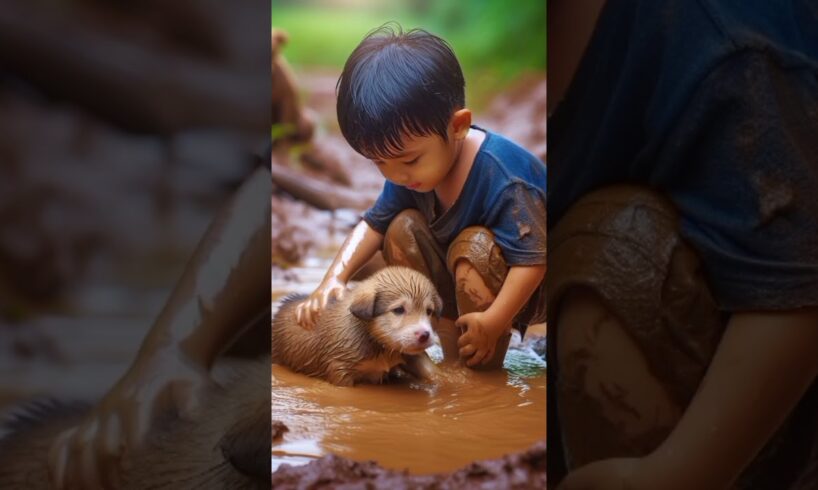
(422, 335)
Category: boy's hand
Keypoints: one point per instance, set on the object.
(306, 313)
(614, 473)
(480, 337)
(617, 473)
(90, 454)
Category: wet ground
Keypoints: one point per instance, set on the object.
(426, 428)
(465, 416)
(81, 346)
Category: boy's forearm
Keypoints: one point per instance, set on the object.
(520, 283)
(357, 249)
(762, 367)
(226, 282)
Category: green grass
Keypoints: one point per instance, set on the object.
(496, 41)
(326, 37)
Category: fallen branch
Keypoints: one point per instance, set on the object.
(318, 193)
(135, 85)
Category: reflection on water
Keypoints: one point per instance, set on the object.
(463, 416)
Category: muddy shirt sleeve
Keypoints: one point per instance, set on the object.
(393, 200)
(517, 220)
(742, 166)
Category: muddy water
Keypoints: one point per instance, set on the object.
(461, 417)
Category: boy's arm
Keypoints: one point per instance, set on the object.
(763, 365)
(484, 328)
(223, 287)
(357, 249)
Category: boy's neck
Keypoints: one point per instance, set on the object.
(449, 189)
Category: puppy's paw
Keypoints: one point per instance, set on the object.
(420, 366)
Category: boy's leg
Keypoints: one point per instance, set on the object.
(409, 242)
(632, 325)
(479, 270)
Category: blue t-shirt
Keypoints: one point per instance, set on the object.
(715, 104)
(505, 192)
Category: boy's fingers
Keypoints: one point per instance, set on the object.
(489, 356)
(139, 419)
(466, 351)
(464, 339)
(89, 473)
(477, 358)
(109, 447)
(58, 458)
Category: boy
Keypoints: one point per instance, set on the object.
(462, 205)
(683, 287)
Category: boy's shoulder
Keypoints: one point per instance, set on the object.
(501, 161)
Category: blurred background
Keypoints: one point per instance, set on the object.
(124, 126)
(496, 41)
(502, 50)
(320, 187)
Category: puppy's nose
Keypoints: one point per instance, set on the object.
(422, 335)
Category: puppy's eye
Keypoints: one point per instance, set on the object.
(400, 310)
(429, 311)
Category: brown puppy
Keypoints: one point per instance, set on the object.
(224, 445)
(381, 323)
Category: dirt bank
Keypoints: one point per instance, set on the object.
(523, 470)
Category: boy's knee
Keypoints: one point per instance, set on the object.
(405, 226)
(474, 254)
(623, 243)
(400, 244)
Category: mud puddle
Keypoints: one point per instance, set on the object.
(426, 428)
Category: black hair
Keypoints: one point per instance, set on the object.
(397, 83)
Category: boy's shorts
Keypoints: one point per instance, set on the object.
(623, 244)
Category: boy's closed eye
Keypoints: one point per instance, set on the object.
(413, 161)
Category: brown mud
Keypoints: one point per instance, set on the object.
(456, 433)
(523, 470)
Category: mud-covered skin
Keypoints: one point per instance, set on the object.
(621, 246)
(220, 446)
(381, 323)
(632, 329)
(409, 242)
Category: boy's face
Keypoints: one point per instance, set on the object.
(424, 162)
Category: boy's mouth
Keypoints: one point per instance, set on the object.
(413, 185)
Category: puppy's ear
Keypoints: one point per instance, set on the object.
(363, 304)
(438, 305)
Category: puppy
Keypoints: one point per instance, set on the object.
(225, 444)
(382, 323)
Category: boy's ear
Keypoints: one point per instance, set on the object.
(461, 121)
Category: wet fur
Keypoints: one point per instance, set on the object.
(356, 339)
(221, 446)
